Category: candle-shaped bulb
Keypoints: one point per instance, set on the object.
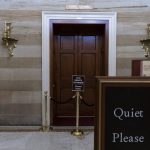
(5, 27)
(14, 45)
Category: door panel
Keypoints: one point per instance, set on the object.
(88, 67)
(64, 66)
(67, 43)
(88, 43)
(89, 63)
(76, 52)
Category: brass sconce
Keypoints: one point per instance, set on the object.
(9, 42)
(146, 42)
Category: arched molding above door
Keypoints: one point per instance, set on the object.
(111, 17)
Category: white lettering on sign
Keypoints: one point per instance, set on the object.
(78, 79)
(121, 138)
(122, 114)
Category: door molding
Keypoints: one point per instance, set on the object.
(111, 17)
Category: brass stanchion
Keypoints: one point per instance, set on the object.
(77, 132)
(46, 127)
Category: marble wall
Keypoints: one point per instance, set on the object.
(20, 76)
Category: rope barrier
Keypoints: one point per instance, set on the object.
(84, 102)
(65, 102)
(70, 99)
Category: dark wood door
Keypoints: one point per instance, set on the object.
(78, 50)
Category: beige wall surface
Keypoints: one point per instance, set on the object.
(20, 76)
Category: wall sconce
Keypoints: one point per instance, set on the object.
(146, 42)
(9, 42)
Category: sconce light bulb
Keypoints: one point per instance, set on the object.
(7, 44)
(143, 46)
(14, 45)
(5, 35)
(11, 54)
(10, 51)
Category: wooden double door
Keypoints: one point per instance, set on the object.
(78, 49)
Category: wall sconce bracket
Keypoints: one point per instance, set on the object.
(9, 42)
(146, 42)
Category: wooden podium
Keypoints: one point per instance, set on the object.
(141, 67)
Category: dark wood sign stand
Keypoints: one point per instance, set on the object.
(123, 114)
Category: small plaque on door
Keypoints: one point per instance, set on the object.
(78, 83)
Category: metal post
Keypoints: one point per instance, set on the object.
(77, 132)
(45, 127)
(77, 112)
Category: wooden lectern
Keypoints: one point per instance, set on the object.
(122, 114)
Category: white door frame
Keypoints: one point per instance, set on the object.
(111, 17)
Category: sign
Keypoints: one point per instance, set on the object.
(78, 83)
(145, 68)
(123, 114)
(141, 67)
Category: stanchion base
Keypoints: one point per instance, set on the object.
(77, 133)
(45, 128)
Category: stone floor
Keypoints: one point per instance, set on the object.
(45, 141)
